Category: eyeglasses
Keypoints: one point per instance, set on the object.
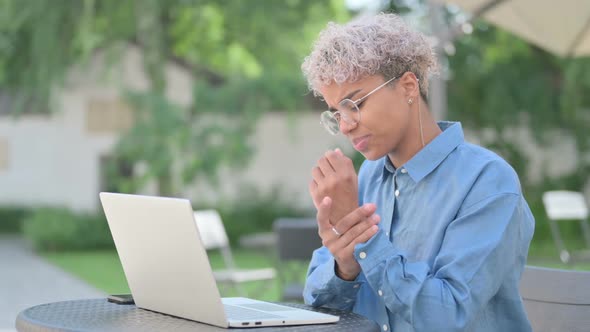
(347, 111)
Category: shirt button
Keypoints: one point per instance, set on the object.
(396, 193)
(363, 255)
(387, 233)
(380, 292)
(404, 171)
(385, 328)
(355, 286)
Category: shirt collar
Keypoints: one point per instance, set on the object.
(427, 159)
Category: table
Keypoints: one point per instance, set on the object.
(101, 315)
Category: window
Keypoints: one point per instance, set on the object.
(108, 116)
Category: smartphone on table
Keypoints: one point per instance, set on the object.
(121, 299)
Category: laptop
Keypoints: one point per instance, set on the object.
(168, 271)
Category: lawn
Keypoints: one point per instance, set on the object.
(103, 270)
(544, 253)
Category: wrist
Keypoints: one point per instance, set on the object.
(344, 275)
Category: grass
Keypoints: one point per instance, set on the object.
(103, 270)
(544, 253)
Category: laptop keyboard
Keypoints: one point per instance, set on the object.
(241, 313)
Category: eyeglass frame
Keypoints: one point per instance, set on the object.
(332, 115)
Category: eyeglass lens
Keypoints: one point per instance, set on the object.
(347, 112)
(329, 122)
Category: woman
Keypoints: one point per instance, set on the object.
(434, 232)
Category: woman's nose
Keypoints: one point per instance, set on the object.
(346, 127)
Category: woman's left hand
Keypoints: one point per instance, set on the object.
(356, 227)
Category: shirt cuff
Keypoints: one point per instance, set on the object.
(331, 290)
(345, 288)
(369, 254)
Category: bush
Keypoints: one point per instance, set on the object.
(11, 219)
(256, 212)
(55, 229)
(59, 229)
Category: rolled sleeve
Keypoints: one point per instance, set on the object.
(324, 288)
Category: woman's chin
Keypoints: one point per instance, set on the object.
(371, 155)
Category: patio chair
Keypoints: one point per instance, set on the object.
(566, 205)
(297, 238)
(214, 237)
(556, 300)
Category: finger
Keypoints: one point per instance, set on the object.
(366, 235)
(325, 166)
(323, 215)
(333, 158)
(313, 187)
(356, 216)
(363, 237)
(316, 174)
(345, 242)
(339, 161)
(359, 229)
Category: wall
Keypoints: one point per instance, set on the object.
(286, 151)
(55, 160)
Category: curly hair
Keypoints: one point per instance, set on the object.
(383, 44)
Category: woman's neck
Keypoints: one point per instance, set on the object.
(422, 131)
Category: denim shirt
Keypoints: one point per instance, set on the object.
(451, 246)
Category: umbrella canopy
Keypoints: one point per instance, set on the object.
(561, 27)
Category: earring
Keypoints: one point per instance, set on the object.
(410, 101)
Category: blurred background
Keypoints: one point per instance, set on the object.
(204, 99)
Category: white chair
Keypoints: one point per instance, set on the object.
(214, 237)
(566, 205)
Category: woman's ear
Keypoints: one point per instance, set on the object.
(409, 82)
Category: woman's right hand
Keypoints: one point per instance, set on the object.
(334, 176)
(341, 236)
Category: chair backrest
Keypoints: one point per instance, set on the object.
(211, 229)
(297, 238)
(556, 300)
(563, 204)
(213, 235)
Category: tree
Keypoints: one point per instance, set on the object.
(245, 54)
(500, 82)
(497, 81)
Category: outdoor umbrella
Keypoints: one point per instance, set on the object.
(561, 27)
